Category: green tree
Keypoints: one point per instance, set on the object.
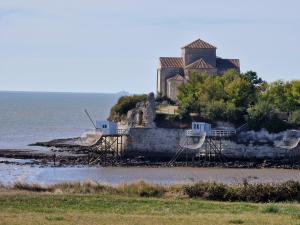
(239, 91)
(216, 97)
(281, 95)
(235, 97)
(295, 89)
(215, 110)
(253, 78)
(189, 94)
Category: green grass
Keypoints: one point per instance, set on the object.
(142, 203)
(271, 209)
(39, 208)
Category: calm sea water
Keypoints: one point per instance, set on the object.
(28, 117)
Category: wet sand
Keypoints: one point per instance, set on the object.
(41, 157)
(10, 173)
(36, 166)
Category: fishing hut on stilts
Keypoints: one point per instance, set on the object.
(202, 143)
(105, 143)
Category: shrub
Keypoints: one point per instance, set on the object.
(288, 191)
(262, 115)
(84, 188)
(142, 189)
(236, 221)
(271, 209)
(210, 191)
(294, 118)
(31, 187)
(275, 124)
(125, 104)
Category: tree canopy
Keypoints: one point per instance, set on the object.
(240, 98)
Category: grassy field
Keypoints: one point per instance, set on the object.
(22, 207)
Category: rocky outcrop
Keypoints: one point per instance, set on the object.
(143, 114)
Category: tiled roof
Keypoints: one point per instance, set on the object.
(199, 64)
(199, 44)
(226, 64)
(177, 77)
(175, 62)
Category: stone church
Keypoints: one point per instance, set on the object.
(198, 56)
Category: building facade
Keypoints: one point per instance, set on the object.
(198, 56)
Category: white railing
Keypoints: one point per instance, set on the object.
(118, 131)
(123, 131)
(222, 133)
(214, 133)
(191, 133)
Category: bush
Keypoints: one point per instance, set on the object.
(275, 124)
(294, 118)
(31, 187)
(236, 221)
(280, 192)
(288, 191)
(210, 191)
(262, 115)
(83, 188)
(125, 104)
(142, 189)
(271, 209)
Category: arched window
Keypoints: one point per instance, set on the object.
(140, 118)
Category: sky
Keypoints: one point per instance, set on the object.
(114, 45)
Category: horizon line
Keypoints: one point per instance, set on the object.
(69, 92)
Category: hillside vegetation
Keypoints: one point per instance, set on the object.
(240, 98)
(124, 104)
(233, 97)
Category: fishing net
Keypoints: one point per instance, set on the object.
(289, 143)
(184, 142)
(89, 138)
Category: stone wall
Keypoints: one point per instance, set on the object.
(213, 71)
(163, 74)
(172, 88)
(162, 143)
(191, 55)
(153, 141)
(234, 150)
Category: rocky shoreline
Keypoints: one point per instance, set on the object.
(64, 157)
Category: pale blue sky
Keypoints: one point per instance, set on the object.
(114, 45)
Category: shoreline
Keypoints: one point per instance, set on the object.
(68, 157)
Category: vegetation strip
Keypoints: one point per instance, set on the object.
(279, 192)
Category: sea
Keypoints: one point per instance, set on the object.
(28, 117)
